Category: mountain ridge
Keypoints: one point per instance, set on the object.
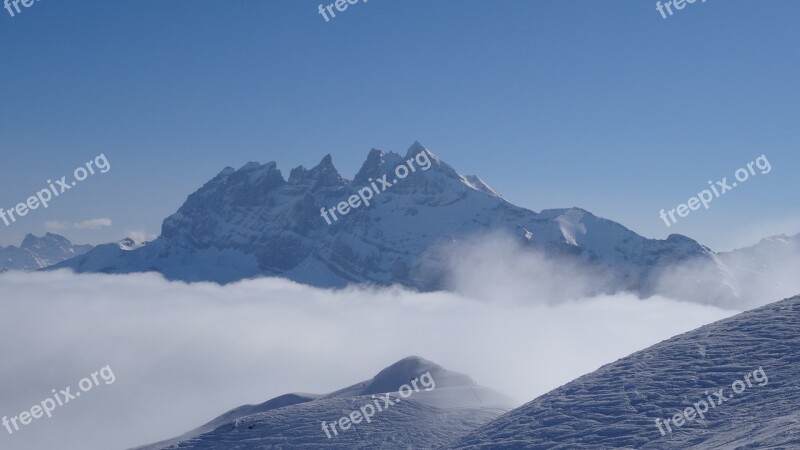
(446, 404)
(251, 222)
(39, 252)
(617, 405)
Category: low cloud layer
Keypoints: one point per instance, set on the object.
(184, 353)
(498, 269)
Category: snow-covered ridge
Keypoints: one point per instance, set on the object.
(254, 222)
(427, 419)
(617, 405)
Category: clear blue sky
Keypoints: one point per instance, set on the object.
(597, 104)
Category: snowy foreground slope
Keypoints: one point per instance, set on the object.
(617, 405)
(252, 222)
(447, 405)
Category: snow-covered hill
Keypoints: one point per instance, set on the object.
(617, 405)
(251, 222)
(445, 405)
(38, 252)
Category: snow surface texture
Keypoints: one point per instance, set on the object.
(426, 419)
(617, 405)
(38, 252)
(252, 222)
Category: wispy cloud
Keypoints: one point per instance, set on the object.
(93, 224)
(89, 224)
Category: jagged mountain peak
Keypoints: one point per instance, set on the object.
(326, 163)
(252, 165)
(31, 241)
(38, 252)
(415, 148)
(314, 229)
(254, 171)
(322, 175)
(377, 163)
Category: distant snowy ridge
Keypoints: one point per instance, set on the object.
(39, 252)
(617, 405)
(426, 419)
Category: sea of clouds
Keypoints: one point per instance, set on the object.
(185, 353)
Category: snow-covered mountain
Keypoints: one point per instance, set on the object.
(443, 405)
(754, 357)
(768, 269)
(747, 276)
(252, 221)
(38, 252)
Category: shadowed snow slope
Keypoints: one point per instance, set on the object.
(444, 408)
(617, 405)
